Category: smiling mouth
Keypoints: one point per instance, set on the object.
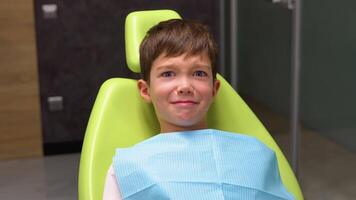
(186, 102)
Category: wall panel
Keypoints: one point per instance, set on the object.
(20, 129)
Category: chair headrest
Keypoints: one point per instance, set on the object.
(136, 26)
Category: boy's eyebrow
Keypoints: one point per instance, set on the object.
(165, 66)
(202, 65)
(170, 66)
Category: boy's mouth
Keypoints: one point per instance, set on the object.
(184, 102)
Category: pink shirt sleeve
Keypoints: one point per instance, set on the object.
(111, 189)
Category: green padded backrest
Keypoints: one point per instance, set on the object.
(230, 113)
(135, 31)
(120, 118)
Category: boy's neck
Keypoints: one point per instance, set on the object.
(168, 127)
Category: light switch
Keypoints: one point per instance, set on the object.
(55, 103)
(50, 11)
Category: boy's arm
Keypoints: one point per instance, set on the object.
(111, 189)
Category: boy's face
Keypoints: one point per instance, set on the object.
(181, 89)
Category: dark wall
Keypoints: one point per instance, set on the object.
(328, 75)
(264, 53)
(81, 48)
(329, 64)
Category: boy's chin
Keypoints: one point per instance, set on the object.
(189, 124)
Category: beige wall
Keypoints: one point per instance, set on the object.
(20, 129)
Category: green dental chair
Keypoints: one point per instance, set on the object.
(120, 118)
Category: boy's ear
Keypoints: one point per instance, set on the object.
(216, 87)
(143, 87)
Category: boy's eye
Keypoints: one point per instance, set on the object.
(200, 73)
(167, 74)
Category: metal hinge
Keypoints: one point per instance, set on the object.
(286, 3)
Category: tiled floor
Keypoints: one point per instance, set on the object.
(327, 170)
(49, 178)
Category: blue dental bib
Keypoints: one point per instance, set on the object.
(203, 164)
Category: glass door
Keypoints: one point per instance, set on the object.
(327, 108)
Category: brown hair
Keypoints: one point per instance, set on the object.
(175, 37)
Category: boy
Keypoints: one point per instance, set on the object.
(187, 160)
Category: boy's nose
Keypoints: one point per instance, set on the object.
(185, 87)
(185, 90)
